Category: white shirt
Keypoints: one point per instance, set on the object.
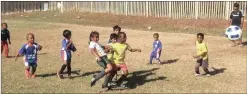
(98, 48)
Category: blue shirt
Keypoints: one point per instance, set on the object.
(156, 45)
(68, 50)
(29, 52)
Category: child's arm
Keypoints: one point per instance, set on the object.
(93, 51)
(9, 36)
(242, 20)
(74, 49)
(133, 50)
(230, 20)
(21, 52)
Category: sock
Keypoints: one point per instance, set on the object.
(206, 70)
(107, 80)
(33, 69)
(197, 72)
(100, 75)
(62, 68)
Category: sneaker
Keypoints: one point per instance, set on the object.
(33, 76)
(59, 76)
(196, 75)
(208, 75)
(93, 81)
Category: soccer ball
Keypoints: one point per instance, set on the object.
(233, 32)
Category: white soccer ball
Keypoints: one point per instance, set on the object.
(233, 32)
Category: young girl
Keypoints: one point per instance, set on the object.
(29, 50)
(67, 47)
(4, 37)
(101, 56)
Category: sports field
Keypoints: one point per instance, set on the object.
(176, 76)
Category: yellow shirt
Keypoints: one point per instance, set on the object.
(200, 48)
(119, 52)
(110, 55)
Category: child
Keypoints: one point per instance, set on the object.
(116, 30)
(67, 47)
(4, 37)
(29, 50)
(202, 55)
(157, 48)
(237, 19)
(101, 56)
(119, 49)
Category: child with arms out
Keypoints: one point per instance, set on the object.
(29, 51)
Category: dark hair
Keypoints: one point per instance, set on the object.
(113, 36)
(93, 34)
(236, 5)
(5, 24)
(156, 34)
(116, 27)
(120, 34)
(66, 33)
(30, 34)
(200, 34)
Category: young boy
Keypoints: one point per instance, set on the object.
(98, 51)
(119, 49)
(157, 48)
(237, 19)
(4, 37)
(202, 55)
(67, 47)
(29, 50)
(116, 30)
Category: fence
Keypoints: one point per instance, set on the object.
(21, 6)
(172, 9)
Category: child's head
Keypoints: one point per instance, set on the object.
(200, 37)
(236, 6)
(4, 25)
(30, 38)
(113, 37)
(94, 36)
(156, 36)
(67, 34)
(116, 29)
(122, 37)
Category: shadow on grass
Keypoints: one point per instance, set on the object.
(139, 78)
(217, 71)
(170, 61)
(77, 72)
(245, 43)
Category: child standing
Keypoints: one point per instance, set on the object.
(202, 55)
(29, 50)
(98, 51)
(237, 19)
(119, 49)
(157, 48)
(67, 47)
(4, 37)
(116, 30)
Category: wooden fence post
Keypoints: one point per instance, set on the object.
(147, 7)
(227, 10)
(170, 9)
(196, 8)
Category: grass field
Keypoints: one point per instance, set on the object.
(177, 76)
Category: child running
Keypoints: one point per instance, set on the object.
(157, 48)
(5, 35)
(67, 47)
(29, 50)
(237, 19)
(119, 49)
(101, 56)
(202, 55)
